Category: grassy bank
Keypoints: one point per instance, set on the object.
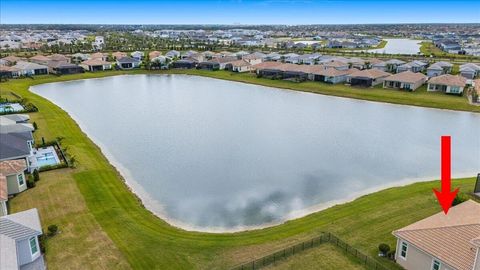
(104, 226)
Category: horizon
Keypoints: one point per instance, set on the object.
(246, 12)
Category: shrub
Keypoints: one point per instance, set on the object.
(391, 254)
(36, 175)
(30, 182)
(384, 249)
(460, 198)
(41, 241)
(35, 125)
(52, 229)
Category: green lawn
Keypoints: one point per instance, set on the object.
(104, 226)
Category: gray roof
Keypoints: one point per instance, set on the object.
(127, 59)
(16, 128)
(14, 145)
(18, 118)
(29, 65)
(14, 227)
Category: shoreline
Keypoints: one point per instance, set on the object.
(155, 207)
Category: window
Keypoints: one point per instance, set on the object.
(455, 89)
(33, 245)
(403, 251)
(436, 265)
(20, 180)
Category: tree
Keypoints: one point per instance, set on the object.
(384, 249)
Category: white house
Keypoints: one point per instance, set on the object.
(137, 55)
(98, 43)
(442, 242)
(20, 247)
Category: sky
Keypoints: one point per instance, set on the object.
(238, 11)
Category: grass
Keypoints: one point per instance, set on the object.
(326, 256)
(104, 226)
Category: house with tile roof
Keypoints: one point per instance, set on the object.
(450, 84)
(442, 242)
(20, 247)
(14, 172)
(367, 77)
(406, 80)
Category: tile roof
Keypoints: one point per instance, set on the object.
(477, 86)
(448, 79)
(119, 54)
(407, 76)
(154, 54)
(240, 63)
(28, 65)
(370, 73)
(40, 57)
(95, 62)
(3, 188)
(9, 167)
(462, 225)
(267, 65)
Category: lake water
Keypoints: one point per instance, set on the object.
(213, 155)
(399, 46)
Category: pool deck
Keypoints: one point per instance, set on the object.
(14, 107)
(41, 152)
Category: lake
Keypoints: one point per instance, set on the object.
(214, 155)
(399, 46)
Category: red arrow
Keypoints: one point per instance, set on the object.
(445, 197)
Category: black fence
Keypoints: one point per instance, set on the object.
(279, 255)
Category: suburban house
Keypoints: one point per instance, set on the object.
(3, 195)
(63, 68)
(439, 68)
(336, 65)
(14, 170)
(476, 89)
(450, 84)
(252, 59)
(128, 63)
(367, 77)
(16, 139)
(159, 62)
(173, 54)
(30, 69)
(80, 57)
(333, 76)
(239, 66)
(9, 72)
(19, 234)
(208, 65)
(470, 70)
(224, 61)
(99, 55)
(406, 80)
(137, 55)
(154, 54)
(414, 66)
(59, 58)
(40, 59)
(442, 242)
(118, 55)
(184, 64)
(11, 60)
(392, 64)
(96, 64)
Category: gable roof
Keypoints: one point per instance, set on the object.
(448, 79)
(29, 65)
(407, 76)
(95, 62)
(40, 57)
(462, 223)
(370, 73)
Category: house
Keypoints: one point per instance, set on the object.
(14, 170)
(59, 58)
(332, 75)
(367, 77)
(99, 55)
(239, 66)
(469, 70)
(96, 64)
(11, 60)
(252, 59)
(184, 64)
(80, 57)
(39, 59)
(173, 54)
(154, 54)
(16, 140)
(357, 63)
(439, 68)
(20, 248)
(128, 63)
(224, 61)
(3, 195)
(62, 68)
(118, 55)
(30, 69)
(407, 80)
(414, 66)
(9, 72)
(392, 64)
(450, 84)
(159, 62)
(338, 65)
(442, 241)
(208, 65)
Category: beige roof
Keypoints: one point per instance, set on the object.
(374, 61)
(240, 63)
(12, 58)
(40, 57)
(119, 55)
(6, 68)
(267, 65)
(370, 73)
(448, 79)
(3, 188)
(332, 72)
(335, 64)
(9, 167)
(477, 86)
(98, 55)
(154, 54)
(58, 57)
(449, 238)
(95, 62)
(222, 60)
(408, 77)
